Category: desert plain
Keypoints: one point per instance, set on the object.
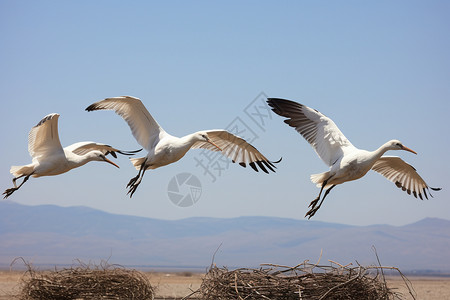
(179, 285)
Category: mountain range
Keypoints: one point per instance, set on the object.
(52, 235)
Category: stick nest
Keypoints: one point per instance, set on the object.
(304, 281)
(86, 281)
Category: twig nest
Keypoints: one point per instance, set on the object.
(87, 282)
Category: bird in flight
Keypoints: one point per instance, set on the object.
(50, 158)
(346, 162)
(164, 149)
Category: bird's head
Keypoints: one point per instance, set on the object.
(203, 136)
(397, 145)
(99, 156)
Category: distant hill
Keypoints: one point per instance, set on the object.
(49, 234)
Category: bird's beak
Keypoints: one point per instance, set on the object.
(111, 162)
(212, 143)
(407, 149)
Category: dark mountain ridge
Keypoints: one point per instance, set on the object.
(50, 234)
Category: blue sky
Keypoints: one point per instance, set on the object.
(380, 70)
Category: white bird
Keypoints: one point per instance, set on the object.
(164, 149)
(346, 162)
(49, 158)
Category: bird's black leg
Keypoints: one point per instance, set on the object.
(14, 180)
(326, 193)
(10, 191)
(135, 181)
(134, 186)
(314, 202)
(314, 209)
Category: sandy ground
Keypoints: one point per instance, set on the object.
(176, 286)
(425, 288)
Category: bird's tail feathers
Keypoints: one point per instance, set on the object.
(18, 171)
(318, 179)
(137, 162)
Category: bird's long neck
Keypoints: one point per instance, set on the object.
(188, 140)
(381, 150)
(185, 143)
(75, 161)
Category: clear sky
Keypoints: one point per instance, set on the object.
(379, 69)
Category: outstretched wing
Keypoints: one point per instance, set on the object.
(82, 148)
(403, 175)
(145, 129)
(43, 138)
(237, 149)
(319, 130)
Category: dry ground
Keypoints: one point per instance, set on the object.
(426, 288)
(175, 286)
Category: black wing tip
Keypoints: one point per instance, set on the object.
(284, 107)
(415, 194)
(253, 165)
(94, 106)
(434, 189)
(113, 153)
(278, 161)
(128, 153)
(132, 152)
(264, 165)
(91, 107)
(261, 166)
(275, 102)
